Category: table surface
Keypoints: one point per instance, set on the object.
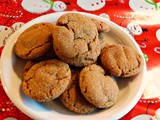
(142, 15)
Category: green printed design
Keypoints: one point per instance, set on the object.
(152, 3)
(49, 2)
(145, 57)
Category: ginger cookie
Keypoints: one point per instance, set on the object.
(121, 61)
(46, 80)
(35, 41)
(76, 39)
(73, 99)
(100, 90)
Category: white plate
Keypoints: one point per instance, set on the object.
(11, 67)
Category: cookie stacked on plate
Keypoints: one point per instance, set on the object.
(68, 60)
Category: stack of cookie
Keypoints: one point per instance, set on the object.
(63, 63)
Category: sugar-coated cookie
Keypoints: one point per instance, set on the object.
(100, 90)
(121, 61)
(76, 39)
(35, 41)
(46, 80)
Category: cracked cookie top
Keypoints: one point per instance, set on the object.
(100, 90)
(46, 80)
(34, 41)
(76, 39)
(121, 61)
(73, 99)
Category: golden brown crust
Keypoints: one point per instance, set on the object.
(120, 60)
(34, 41)
(73, 99)
(100, 90)
(76, 39)
(46, 80)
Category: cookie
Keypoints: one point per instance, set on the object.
(73, 99)
(35, 41)
(121, 61)
(100, 90)
(76, 39)
(46, 80)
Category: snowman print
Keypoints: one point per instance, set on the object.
(144, 117)
(133, 29)
(157, 49)
(6, 32)
(91, 5)
(144, 5)
(41, 6)
(59, 6)
(148, 117)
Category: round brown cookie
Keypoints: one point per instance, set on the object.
(35, 41)
(46, 80)
(100, 90)
(120, 60)
(73, 99)
(76, 39)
